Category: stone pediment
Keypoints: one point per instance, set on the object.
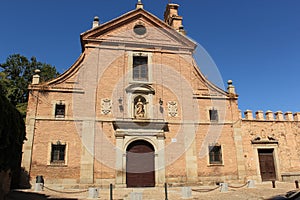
(120, 31)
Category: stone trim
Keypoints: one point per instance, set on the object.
(275, 155)
(65, 164)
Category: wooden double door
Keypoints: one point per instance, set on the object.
(266, 164)
(140, 170)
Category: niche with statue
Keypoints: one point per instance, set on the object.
(140, 107)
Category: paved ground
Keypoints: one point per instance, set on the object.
(260, 192)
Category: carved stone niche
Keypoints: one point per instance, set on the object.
(140, 100)
(140, 109)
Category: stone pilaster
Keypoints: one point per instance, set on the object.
(120, 168)
(27, 146)
(160, 166)
(190, 154)
(238, 140)
(87, 153)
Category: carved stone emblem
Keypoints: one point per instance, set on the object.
(172, 109)
(105, 106)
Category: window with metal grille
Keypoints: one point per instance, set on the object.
(140, 68)
(213, 115)
(58, 152)
(215, 154)
(60, 110)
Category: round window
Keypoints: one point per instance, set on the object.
(139, 30)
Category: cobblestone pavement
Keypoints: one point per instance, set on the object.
(260, 192)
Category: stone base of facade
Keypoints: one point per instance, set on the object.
(290, 177)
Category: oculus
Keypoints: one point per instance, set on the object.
(139, 29)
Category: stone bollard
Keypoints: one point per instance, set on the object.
(251, 184)
(38, 187)
(93, 193)
(273, 184)
(136, 196)
(39, 184)
(186, 192)
(224, 187)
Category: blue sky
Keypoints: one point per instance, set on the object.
(256, 43)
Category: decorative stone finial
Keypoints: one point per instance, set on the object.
(139, 5)
(95, 22)
(297, 116)
(279, 116)
(36, 77)
(172, 18)
(269, 115)
(181, 30)
(259, 115)
(288, 116)
(248, 115)
(230, 88)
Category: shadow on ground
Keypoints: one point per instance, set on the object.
(19, 195)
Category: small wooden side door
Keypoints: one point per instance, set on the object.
(266, 164)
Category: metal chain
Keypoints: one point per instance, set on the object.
(205, 190)
(66, 192)
(238, 186)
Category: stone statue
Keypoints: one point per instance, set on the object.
(139, 109)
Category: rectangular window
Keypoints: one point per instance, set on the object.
(215, 154)
(140, 68)
(213, 115)
(60, 110)
(58, 152)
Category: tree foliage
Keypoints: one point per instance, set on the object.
(16, 74)
(12, 135)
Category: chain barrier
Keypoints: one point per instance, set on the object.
(237, 187)
(205, 190)
(210, 190)
(66, 192)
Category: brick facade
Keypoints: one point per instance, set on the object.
(99, 94)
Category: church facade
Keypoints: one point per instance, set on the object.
(135, 110)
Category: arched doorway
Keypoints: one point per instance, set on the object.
(140, 171)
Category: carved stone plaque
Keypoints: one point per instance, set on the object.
(105, 106)
(172, 109)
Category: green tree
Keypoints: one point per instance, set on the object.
(12, 135)
(15, 76)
